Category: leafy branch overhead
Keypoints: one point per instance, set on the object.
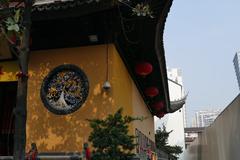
(12, 23)
(11, 26)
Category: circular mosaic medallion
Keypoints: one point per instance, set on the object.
(64, 89)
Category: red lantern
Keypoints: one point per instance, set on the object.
(158, 106)
(160, 114)
(143, 68)
(151, 91)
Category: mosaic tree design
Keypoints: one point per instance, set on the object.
(64, 89)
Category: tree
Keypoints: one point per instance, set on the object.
(16, 22)
(161, 138)
(110, 137)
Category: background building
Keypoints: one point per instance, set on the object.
(175, 122)
(191, 134)
(236, 62)
(205, 118)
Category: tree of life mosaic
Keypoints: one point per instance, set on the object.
(64, 89)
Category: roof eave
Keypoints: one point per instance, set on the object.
(159, 48)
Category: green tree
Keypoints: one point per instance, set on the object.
(161, 138)
(110, 137)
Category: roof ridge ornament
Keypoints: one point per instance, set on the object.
(177, 104)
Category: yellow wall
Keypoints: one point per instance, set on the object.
(9, 68)
(140, 109)
(68, 133)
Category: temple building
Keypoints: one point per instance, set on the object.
(87, 60)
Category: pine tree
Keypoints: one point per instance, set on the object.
(110, 137)
(161, 138)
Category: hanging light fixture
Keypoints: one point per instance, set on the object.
(106, 85)
(151, 92)
(143, 68)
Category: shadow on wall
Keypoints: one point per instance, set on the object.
(55, 133)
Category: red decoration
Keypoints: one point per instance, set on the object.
(1, 70)
(161, 114)
(151, 91)
(21, 74)
(143, 68)
(88, 154)
(158, 106)
(32, 154)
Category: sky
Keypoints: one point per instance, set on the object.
(201, 38)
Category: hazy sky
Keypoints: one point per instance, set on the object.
(201, 38)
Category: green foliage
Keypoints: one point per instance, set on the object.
(110, 137)
(173, 150)
(10, 23)
(161, 138)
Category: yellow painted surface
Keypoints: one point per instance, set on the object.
(9, 68)
(140, 110)
(55, 133)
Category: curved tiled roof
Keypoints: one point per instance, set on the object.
(46, 5)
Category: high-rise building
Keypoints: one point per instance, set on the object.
(236, 62)
(206, 117)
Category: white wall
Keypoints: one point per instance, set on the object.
(221, 140)
(174, 121)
